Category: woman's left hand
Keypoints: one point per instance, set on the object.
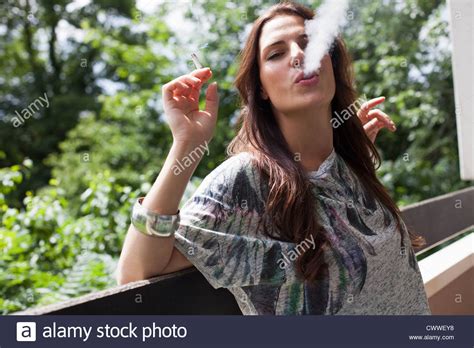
(374, 120)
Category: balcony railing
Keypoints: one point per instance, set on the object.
(446, 264)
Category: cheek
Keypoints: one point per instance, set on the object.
(328, 71)
(326, 65)
(271, 78)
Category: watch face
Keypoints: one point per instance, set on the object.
(153, 224)
(162, 225)
(139, 219)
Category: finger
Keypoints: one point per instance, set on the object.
(194, 94)
(191, 80)
(175, 87)
(365, 107)
(195, 85)
(371, 126)
(203, 74)
(212, 99)
(183, 90)
(382, 117)
(167, 92)
(180, 86)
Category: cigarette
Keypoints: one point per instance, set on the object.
(196, 61)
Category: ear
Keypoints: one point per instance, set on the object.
(263, 94)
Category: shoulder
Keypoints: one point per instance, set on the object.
(231, 170)
(235, 181)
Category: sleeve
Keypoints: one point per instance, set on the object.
(220, 231)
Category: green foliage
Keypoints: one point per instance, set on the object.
(50, 254)
(410, 64)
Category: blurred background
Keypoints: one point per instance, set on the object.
(82, 131)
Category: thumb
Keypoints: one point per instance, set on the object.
(212, 99)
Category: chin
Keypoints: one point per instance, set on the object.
(312, 102)
(304, 104)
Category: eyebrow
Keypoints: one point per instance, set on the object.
(279, 42)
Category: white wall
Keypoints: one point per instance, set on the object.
(462, 36)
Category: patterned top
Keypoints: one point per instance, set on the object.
(367, 269)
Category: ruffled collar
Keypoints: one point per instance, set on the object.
(324, 167)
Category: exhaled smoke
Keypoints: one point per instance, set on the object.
(322, 30)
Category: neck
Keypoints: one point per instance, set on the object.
(308, 134)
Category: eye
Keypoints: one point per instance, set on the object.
(274, 55)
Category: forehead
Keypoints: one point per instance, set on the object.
(279, 28)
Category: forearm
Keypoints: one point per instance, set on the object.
(145, 256)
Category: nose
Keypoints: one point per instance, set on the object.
(297, 56)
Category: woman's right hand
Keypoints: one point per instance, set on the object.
(181, 105)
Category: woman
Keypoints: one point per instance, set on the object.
(295, 221)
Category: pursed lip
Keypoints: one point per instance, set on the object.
(301, 76)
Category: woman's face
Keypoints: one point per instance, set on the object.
(279, 76)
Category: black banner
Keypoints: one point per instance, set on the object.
(236, 331)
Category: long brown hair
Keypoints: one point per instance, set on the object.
(290, 202)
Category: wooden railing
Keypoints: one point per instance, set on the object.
(188, 292)
(441, 218)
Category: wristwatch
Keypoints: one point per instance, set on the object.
(152, 223)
